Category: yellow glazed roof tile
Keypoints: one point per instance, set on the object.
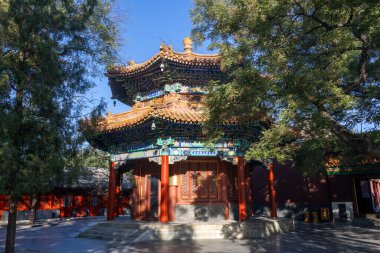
(167, 53)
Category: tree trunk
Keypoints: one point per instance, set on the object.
(33, 210)
(11, 227)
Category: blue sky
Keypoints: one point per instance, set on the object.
(144, 25)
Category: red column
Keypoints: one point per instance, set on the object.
(272, 191)
(164, 205)
(135, 193)
(378, 192)
(241, 189)
(118, 209)
(224, 189)
(135, 198)
(173, 189)
(111, 192)
(248, 183)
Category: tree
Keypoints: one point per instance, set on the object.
(312, 66)
(88, 169)
(91, 168)
(47, 49)
(86, 164)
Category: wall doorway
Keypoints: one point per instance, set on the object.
(152, 198)
(368, 195)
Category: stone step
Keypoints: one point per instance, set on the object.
(114, 233)
(145, 231)
(370, 222)
(109, 229)
(110, 235)
(118, 231)
(105, 237)
(115, 228)
(119, 225)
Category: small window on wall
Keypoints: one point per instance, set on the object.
(84, 201)
(94, 201)
(55, 201)
(67, 201)
(78, 200)
(365, 189)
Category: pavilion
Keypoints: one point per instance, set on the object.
(177, 174)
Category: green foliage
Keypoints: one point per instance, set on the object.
(311, 66)
(49, 51)
(88, 168)
(272, 144)
(90, 157)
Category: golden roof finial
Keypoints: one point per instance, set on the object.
(162, 47)
(170, 48)
(188, 45)
(131, 62)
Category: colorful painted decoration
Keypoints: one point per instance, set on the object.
(177, 150)
(172, 159)
(136, 147)
(168, 88)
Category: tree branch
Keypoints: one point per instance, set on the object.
(358, 142)
(323, 23)
(362, 72)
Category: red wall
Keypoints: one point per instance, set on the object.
(292, 188)
(341, 188)
(80, 204)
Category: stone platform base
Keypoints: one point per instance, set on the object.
(133, 231)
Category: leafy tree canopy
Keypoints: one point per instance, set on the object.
(47, 48)
(312, 66)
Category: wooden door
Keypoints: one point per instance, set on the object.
(152, 198)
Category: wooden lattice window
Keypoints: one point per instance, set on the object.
(94, 201)
(199, 180)
(67, 201)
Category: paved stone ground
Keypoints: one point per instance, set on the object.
(61, 238)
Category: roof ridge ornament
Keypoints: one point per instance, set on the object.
(188, 45)
(131, 62)
(170, 49)
(162, 46)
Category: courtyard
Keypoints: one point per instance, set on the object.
(209, 125)
(62, 237)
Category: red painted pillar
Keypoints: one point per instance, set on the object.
(224, 189)
(241, 189)
(272, 191)
(378, 192)
(118, 209)
(164, 205)
(135, 198)
(173, 189)
(248, 183)
(111, 192)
